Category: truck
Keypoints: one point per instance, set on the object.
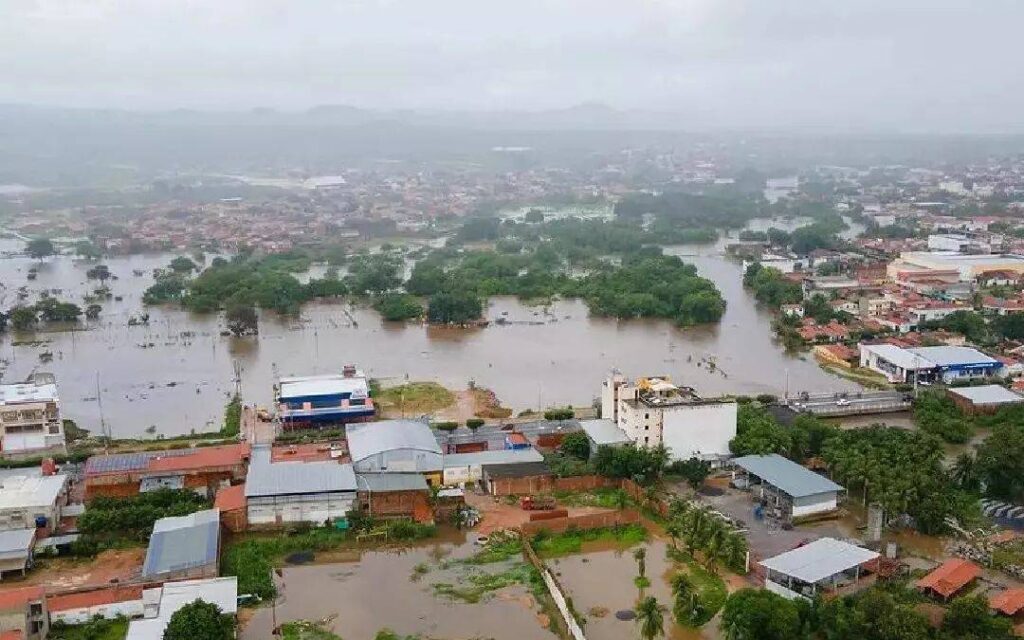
(536, 503)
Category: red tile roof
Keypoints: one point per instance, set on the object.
(1008, 602)
(230, 498)
(16, 598)
(93, 598)
(951, 576)
(203, 458)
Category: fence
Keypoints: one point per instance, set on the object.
(589, 521)
(547, 484)
(555, 589)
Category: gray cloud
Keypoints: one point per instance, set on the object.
(896, 64)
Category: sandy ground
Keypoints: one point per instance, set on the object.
(120, 565)
(498, 515)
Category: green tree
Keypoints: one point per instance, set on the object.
(694, 471)
(375, 274)
(1000, 460)
(39, 248)
(398, 306)
(756, 614)
(93, 311)
(242, 319)
(576, 445)
(200, 620)
(534, 216)
(454, 308)
(23, 318)
(183, 265)
(53, 310)
(1009, 326)
(87, 250)
(758, 433)
(685, 599)
(650, 615)
(640, 555)
(99, 272)
(969, 618)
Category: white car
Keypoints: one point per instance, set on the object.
(842, 402)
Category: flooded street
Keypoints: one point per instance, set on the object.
(366, 592)
(176, 374)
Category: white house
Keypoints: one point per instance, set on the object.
(30, 418)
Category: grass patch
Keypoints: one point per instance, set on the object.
(306, 630)
(415, 397)
(479, 585)
(96, 629)
(710, 588)
(551, 545)
(604, 497)
(497, 551)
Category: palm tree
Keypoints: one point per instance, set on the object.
(734, 549)
(673, 530)
(651, 617)
(714, 546)
(640, 555)
(684, 596)
(678, 508)
(965, 472)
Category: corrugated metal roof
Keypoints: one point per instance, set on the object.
(517, 470)
(367, 439)
(40, 491)
(604, 432)
(988, 394)
(820, 559)
(322, 386)
(381, 482)
(16, 543)
(291, 478)
(946, 356)
(902, 358)
(494, 456)
(183, 542)
(120, 462)
(787, 475)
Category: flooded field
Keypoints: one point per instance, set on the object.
(600, 582)
(365, 592)
(175, 374)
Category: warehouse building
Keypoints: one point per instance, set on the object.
(282, 493)
(927, 364)
(788, 490)
(185, 547)
(985, 399)
(395, 446)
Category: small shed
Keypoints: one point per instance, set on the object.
(791, 489)
(823, 565)
(988, 398)
(184, 547)
(16, 548)
(949, 578)
(603, 433)
(518, 478)
(394, 495)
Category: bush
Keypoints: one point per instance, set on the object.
(576, 445)
(447, 426)
(133, 517)
(560, 414)
(475, 423)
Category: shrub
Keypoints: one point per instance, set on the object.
(475, 423)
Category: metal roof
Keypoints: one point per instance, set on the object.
(367, 439)
(945, 356)
(41, 491)
(381, 482)
(795, 480)
(604, 432)
(902, 358)
(988, 394)
(517, 470)
(329, 385)
(183, 542)
(121, 462)
(823, 558)
(494, 456)
(292, 478)
(222, 592)
(27, 392)
(16, 543)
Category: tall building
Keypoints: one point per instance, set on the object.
(30, 417)
(652, 411)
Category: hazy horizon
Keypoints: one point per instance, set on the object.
(871, 65)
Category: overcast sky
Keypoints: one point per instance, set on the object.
(930, 65)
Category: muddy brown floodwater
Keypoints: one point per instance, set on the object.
(176, 374)
(365, 592)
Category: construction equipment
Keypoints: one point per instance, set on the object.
(537, 503)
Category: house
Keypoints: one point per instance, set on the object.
(281, 493)
(460, 468)
(32, 502)
(16, 550)
(395, 446)
(517, 478)
(30, 418)
(202, 469)
(603, 433)
(985, 399)
(82, 606)
(832, 332)
(24, 610)
(791, 491)
(792, 310)
(185, 547)
(825, 565)
(1001, 306)
(231, 503)
(344, 397)
(653, 411)
(949, 578)
(390, 495)
(160, 603)
(1008, 602)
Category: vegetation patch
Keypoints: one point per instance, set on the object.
(306, 630)
(498, 549)
(132, 518)
(604, 497)
(698, 595)
(414, 397)
(476, 586)
(550, 545)
(98, 628)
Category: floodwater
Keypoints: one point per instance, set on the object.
(366, 592)
(175, 375)
(600, 582)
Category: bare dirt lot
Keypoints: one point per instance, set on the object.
(57, 574)
(498, 514)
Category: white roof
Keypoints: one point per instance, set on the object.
(988, 394)
(820, 559)
(902, 358)
(493, 456)
(367, 439)
(20, 491)
(27, 392)
(222, 592)
(604, 432)
(299, 387)
(16, 543)
(952, 356)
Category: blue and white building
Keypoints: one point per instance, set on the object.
(945, 363)
(339, 398)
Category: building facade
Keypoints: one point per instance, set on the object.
(30, 418)
(335, 398)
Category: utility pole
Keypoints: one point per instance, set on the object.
(103, 422)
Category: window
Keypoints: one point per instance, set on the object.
(647, 440)
(647, 416)
(647, 427)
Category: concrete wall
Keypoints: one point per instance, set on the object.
(701, 430)
(589, 521)
(129, 609)
(810, 505)
(296, 509)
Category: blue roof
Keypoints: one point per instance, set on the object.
(795, 480)
(183, 543)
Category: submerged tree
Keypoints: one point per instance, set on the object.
(650, 615)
